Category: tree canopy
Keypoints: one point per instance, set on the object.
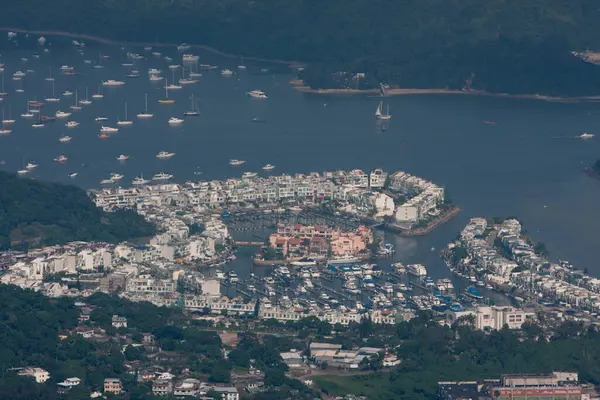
(504, 45)
(36, 212)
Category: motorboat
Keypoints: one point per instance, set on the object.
(183, 46)
(257, 94)
(345, 259)
(123, 157)
(66, 68)
(161, 177)
(268, 167)
(22, 171)
(99, 119)
(164, 154)
(248, 175)
(156, 78)
(38, 125)
(65, 139)
(61, 159)
(72, 124)
(586, 135)
(106, 181)
(116, 177)
(226, 72)
(235, 162)
(62, 114)
(103, 136)
(175, 121)
(67, 93)
(31, 166)
(304, 262)
(112, 82)
(108, 129)
(73, 175)
(139, 181)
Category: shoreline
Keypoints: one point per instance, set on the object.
(415, 91)
(104, 40)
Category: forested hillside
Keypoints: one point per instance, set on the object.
(37, 212)
(508, 45)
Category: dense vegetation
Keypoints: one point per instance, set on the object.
(432, 353)
(41, 212)
(505, 45)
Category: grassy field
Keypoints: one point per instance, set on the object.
(364, 385)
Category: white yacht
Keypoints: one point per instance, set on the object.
(106, 181)
(154, 71)
(257, 94)
(236, 162)
(586, 135)
(66, 68)
(416, 270)
(122, 157)
(67, 93)
(112, 82)
(172, 86)
(31, 166)
(72, 124)
(64, 139)
(156, 78)
(226, 72)
(116, 177)
(108, 129)
(268, 167)
(139, 180)
(248, 175)
(22, 171)
(62, 114)
(161, 177)
(175, 121)
(61, 159)
(164, 154)
(73, 175)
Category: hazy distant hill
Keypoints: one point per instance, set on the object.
(509, 45)
(42, 212)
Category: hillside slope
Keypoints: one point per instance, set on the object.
(42, 212)
(410, 43)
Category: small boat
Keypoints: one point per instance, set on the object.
(72, 124)
(145, 114)
(103, 136)
(164, 154)
(38, 125)
(108, 129)
(22, 171)
(139, 181)
(73, 175)
(126, 121)
(586, 135)
(193, 111)
(67, 93)
(268, 167)
(116, 177)
(155, 78)
(166, 100)
(106, 181)
(123, 157)
(65, 139)
(85, 101)
(61, 159)
(304, 262)
(112, 82)
(190, 58)
(257, 94)
(175, 121)
(379, 112)
(76, 106)
(183, 46)
(256, 119)
(31, 166)
(62, 114)
(226, 72)
(235, 162)
(161, 177)
(100, 119)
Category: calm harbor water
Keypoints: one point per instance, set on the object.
(528, 164)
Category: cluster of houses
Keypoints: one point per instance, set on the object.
(358, 192)
(518, 265)
(319, 241)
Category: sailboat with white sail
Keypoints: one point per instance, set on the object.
(145, 114)
(28, 114)
(50, 78)
(379, 112)
(125, 121)
(98, 94)
(9, 120)
(4, 130)
(3, 93)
